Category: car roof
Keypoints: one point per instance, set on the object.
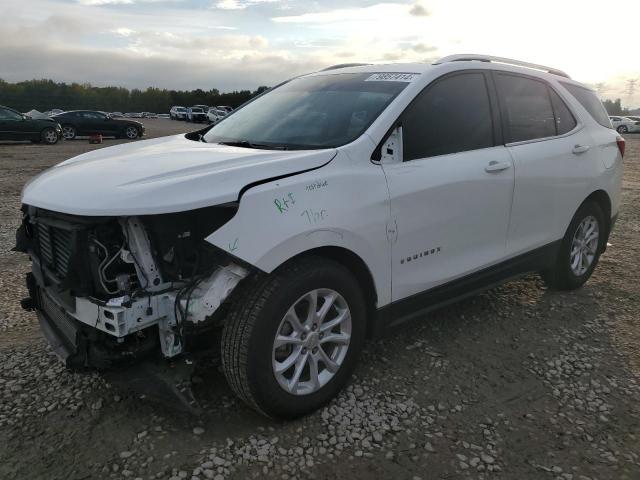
(452, 63)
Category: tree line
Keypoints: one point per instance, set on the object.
(616, 108)
(45, 95)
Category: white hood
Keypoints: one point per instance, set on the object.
(163, 175)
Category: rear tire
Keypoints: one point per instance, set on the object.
(622, 129)
(580, 249)
(259, 338)
(68, 132)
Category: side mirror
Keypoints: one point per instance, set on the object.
(24, 118)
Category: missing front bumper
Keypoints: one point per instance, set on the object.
(167, 382)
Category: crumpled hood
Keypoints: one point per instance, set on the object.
(162, 175)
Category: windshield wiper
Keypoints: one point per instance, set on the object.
(247, 144)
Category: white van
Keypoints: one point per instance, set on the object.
(326, 210)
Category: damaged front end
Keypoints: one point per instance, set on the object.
(113, 291)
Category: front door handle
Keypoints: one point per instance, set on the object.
(496, 166)
(578, 149)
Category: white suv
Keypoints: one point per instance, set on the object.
(215, 114)
(178, 113)
(326, 210)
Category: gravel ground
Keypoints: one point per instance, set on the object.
(517, 383)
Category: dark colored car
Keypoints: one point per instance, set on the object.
(89, 122)
(17, 126)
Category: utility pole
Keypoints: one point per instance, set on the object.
(631, 89)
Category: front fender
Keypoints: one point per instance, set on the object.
(342, 204)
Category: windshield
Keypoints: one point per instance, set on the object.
(323, 111)
(181, 109)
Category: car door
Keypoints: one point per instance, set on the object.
(110, 126)
(551, 153)
(13, 126)
(451, 194)
(92, 123)
(4, 124)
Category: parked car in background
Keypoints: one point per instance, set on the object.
(117, 114)
(225, 107)
(54, 111)
(163, 115)
(203, 107)
(178, 113)
(149, 115)
(215, 114)
(624, 124)
(634, 118)
(18, 126)
(90, 122)
(196, 115)
(335, 206)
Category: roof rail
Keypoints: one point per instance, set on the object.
(508, 61)
(344, 65)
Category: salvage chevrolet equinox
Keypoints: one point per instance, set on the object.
(329, 209)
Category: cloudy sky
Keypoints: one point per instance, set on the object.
(232, 44)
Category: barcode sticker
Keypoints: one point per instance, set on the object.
(392, 77)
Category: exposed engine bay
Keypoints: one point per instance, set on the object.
(113, 289)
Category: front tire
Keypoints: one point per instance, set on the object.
(293, 338)
(49, 136)
(580, 249)
(131, 133)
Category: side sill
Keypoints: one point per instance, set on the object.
(389, 317)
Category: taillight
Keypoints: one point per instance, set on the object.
(621, 144)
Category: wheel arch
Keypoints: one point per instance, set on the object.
(602, 199)
(356, 265)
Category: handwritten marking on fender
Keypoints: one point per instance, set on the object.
(284, 204)
(234, 246)
(314, 216)
(316, 185)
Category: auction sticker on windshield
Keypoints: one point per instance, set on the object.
(392, 77)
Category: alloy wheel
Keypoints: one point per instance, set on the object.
(69, 133)
(311, 342)
(50, 136)
(584, 245)
(131, 133)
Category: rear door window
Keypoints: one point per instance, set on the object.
(526, 108)
(453, 115)
(591, 103)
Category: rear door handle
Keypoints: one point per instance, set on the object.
(578, 149)
(496, 166)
